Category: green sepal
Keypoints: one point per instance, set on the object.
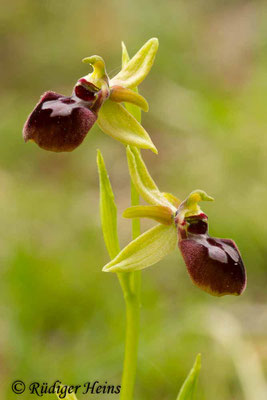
(135, 71)
(188, 389)
(160, 214)
(68, 396)
(146, 250)
(133, 109)
(143, 181)
(120, 94)
(125, 58)
(108, 209)
(117, 122)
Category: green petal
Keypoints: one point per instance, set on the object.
(146, 250)
(172, 199)
(143, 182)
(117, 122)
(120, 94)
(160, 214)
(108, 209)
(135, 71)
(187, 391)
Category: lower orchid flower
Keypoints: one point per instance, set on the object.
(59, 123)
(214, 265)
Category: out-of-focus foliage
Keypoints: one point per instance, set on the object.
(188, 389)
(60, 316)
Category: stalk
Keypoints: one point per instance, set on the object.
(132, 303)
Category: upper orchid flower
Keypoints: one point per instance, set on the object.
(59, 123)
(214, 264)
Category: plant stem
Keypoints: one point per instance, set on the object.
(132, 302)
(131, 346)
(136, 228)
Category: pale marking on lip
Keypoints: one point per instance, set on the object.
(59, 109)
(218, 253)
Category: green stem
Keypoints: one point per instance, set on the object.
(131, 346)
(136, 228)
(132, 302)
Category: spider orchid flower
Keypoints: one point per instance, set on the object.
(59, 123)
(214, 265)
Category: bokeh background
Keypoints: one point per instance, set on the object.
(60, 316)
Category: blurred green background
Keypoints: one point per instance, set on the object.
(60, 316)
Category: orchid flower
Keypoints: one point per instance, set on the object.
(59, 123)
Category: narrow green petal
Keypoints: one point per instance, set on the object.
(160, 214)
(117, 122)
(120, 94)
(146, 250)
(135, 71)
(172, 199)
(187, 391)
(108, 209)
(143, 182)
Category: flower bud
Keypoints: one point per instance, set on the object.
(60, 123)
(214, 265)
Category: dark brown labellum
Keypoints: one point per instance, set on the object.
(215, 265)
(59, 123)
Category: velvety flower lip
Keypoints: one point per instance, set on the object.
(59, 123)
(214, 265)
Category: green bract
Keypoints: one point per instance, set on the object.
(108, 209)
(188, 389)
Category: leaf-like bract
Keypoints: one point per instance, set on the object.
(108, 209)
(187, 391)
